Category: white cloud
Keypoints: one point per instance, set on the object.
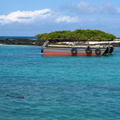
(88, 8)
(84, 7)
(33, 16)
(118, 10)
(67, 19)
(24, 16)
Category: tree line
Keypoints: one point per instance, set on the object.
(77, 35)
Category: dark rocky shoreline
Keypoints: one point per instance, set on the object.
(21, 41)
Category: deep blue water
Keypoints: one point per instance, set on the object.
(58, 88)
(19, 37)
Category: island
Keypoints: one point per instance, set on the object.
(64, 35)
(77, 35)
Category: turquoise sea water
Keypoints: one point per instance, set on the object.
(58, 88)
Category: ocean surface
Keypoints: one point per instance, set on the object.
(17, 37)
(34, 87)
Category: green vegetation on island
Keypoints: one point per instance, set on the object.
(77, 35)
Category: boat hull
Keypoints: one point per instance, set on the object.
(75, 51)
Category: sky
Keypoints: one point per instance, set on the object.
(32, 17)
